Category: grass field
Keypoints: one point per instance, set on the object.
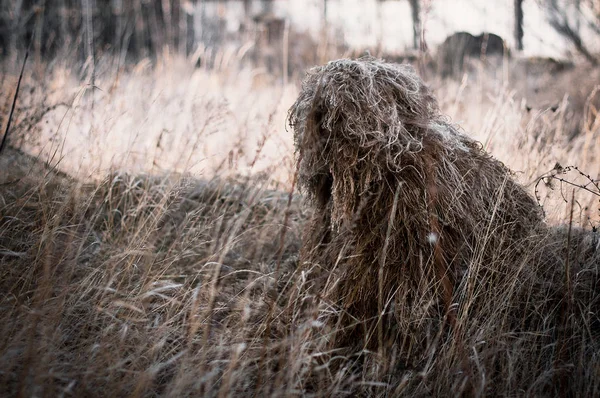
(150, 230)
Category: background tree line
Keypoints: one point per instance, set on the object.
(141, 28)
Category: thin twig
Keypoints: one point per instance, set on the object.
(12, 109)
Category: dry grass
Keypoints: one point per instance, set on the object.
(167, 117)
(148, 282)
(127, 285)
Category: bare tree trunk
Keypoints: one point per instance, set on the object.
(38, 36)
(415, 7)
(285, 51)
(267, 6)
(65, 37)
(192, 36)
(166, 12)
(247, 9)
(118, 13)
(518, 32)
(202, 34)
(16, 32)
(140, 39)
(183, 28)
(89, 32)
(156, 33)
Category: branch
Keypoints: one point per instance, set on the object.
(12, 109)
(563, 27)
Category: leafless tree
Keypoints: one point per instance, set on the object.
(518, 5)
(566, 16)
(416, 19)
(267, 6)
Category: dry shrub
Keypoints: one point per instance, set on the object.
(415, 223)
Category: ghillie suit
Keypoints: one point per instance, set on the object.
(404, 203)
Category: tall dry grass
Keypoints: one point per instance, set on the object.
(149, 246)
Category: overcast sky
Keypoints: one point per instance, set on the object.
(360, 21)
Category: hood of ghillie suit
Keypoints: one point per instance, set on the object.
(353, 121)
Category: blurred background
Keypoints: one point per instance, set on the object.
(146, 28)
(203, 86)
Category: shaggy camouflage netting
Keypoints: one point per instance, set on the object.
(400, 195)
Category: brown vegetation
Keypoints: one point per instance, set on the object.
(153, 283)
(122, 287)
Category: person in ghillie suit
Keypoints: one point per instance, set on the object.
(404, 204)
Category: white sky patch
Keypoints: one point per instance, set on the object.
(365, 23)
